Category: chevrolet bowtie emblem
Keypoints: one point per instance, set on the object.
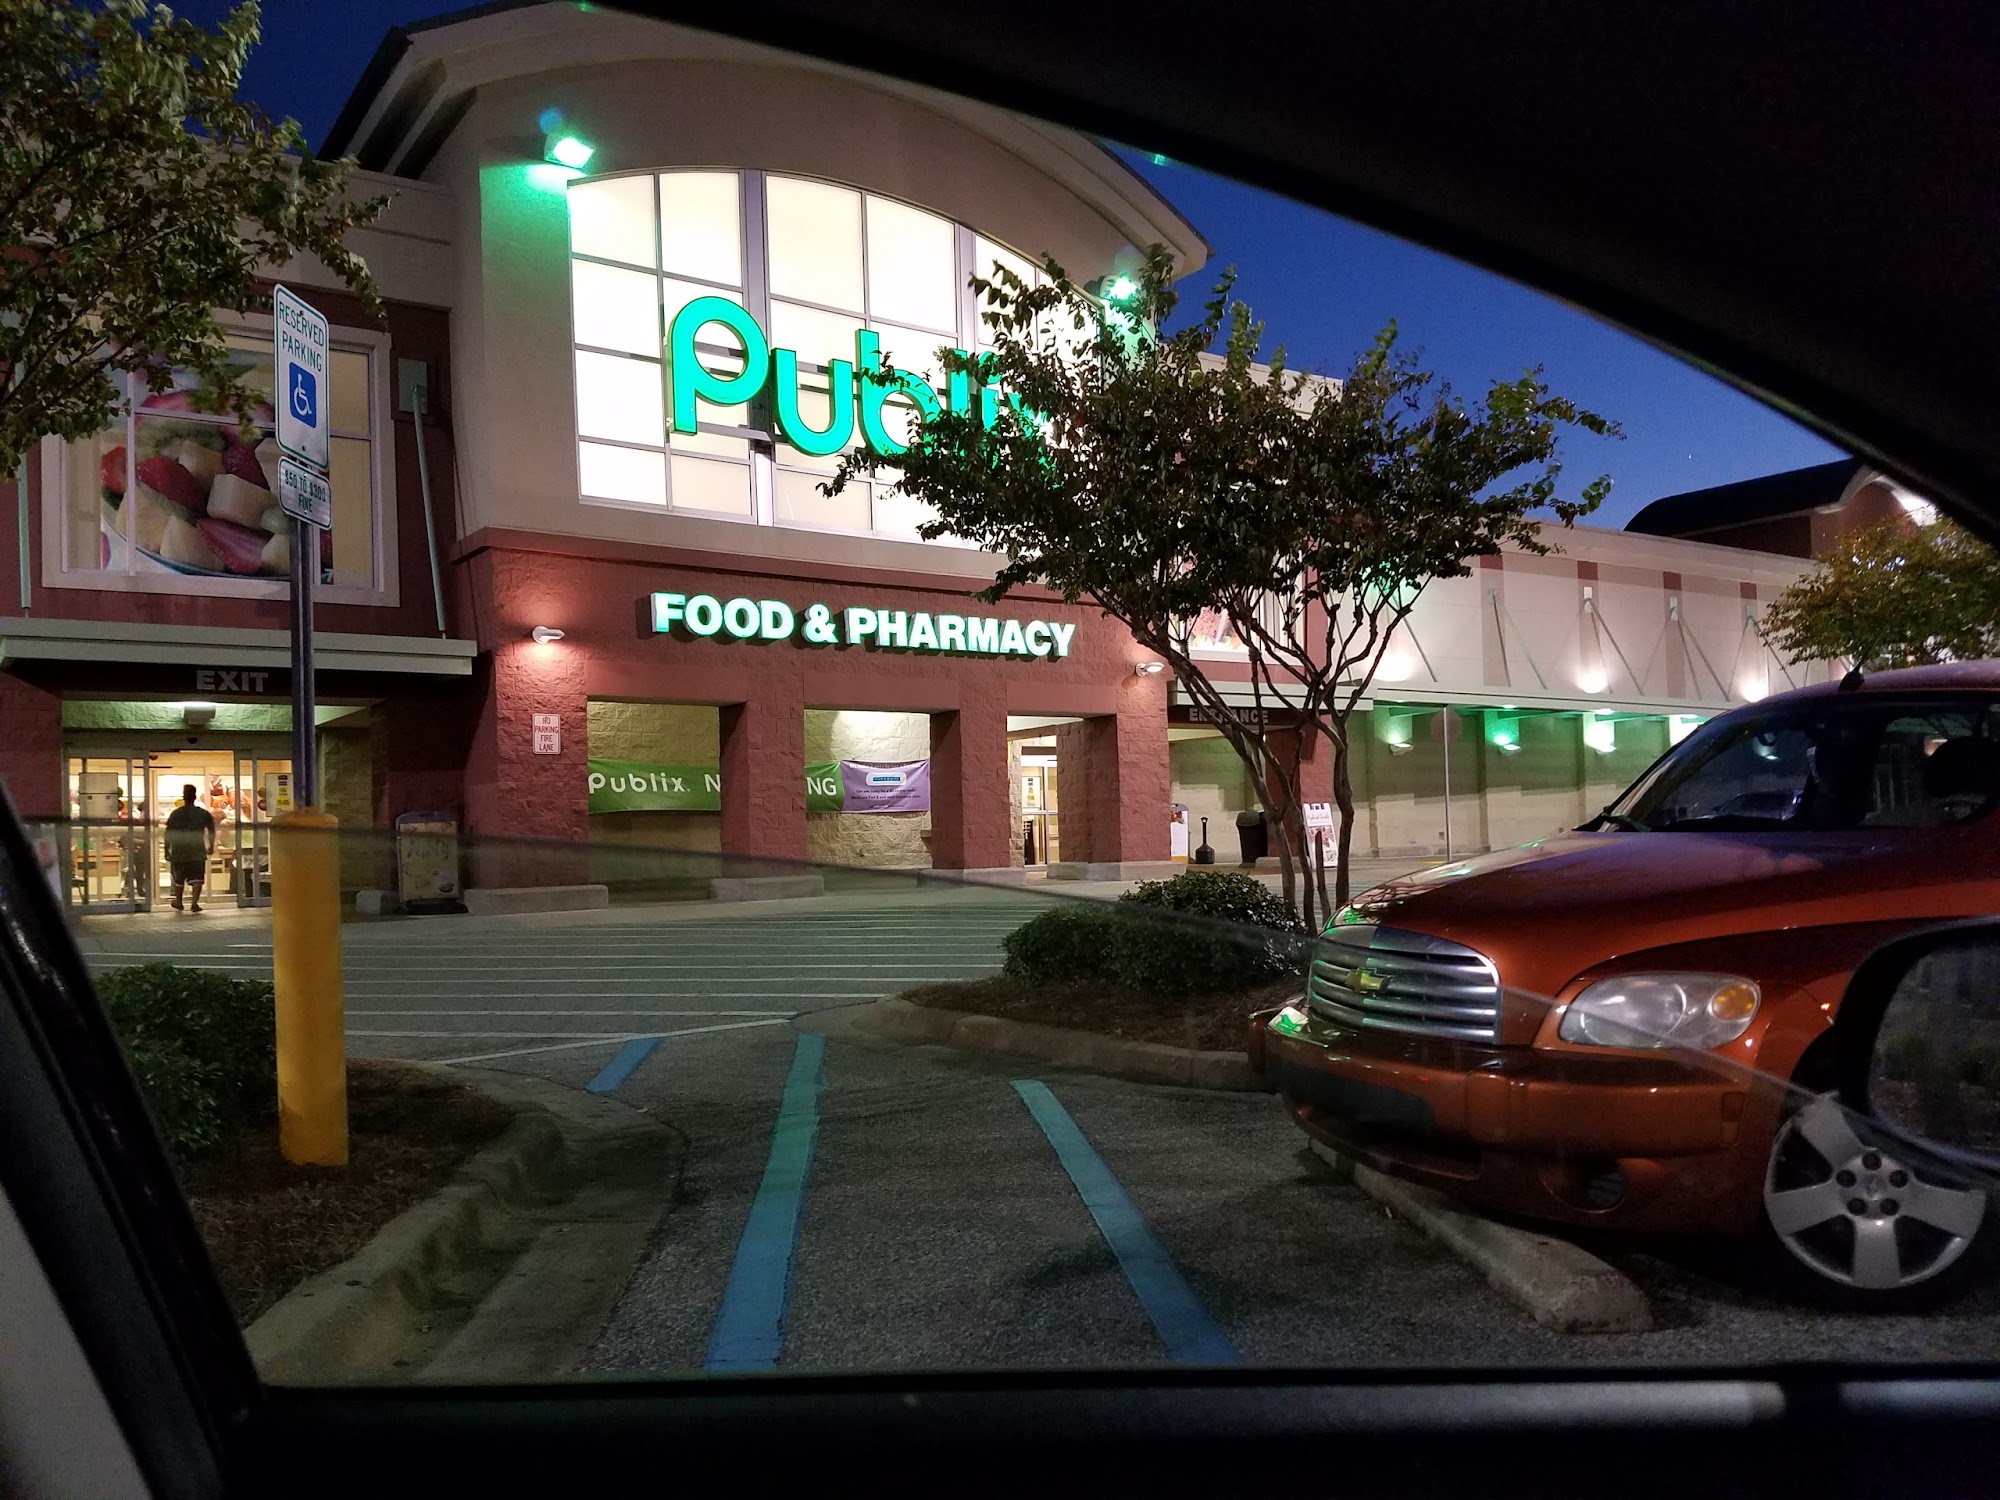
(1367, 983)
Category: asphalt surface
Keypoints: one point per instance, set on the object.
(852, 1204)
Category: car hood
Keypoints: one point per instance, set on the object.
(1546, 911)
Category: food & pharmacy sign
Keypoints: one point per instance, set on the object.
(746, 619)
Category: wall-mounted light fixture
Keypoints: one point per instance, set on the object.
(197, 715)
(1149, 669)
(1399, 747)
(543, 635)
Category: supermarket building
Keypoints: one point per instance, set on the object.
(645, 623)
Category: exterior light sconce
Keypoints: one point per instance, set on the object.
(1149, 669)
(197, 715)
(544, 635)
(1399, 747)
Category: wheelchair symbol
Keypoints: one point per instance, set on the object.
(305, 396)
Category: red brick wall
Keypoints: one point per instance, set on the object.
(610, 651)
(31, 765)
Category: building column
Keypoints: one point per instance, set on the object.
(31, 754)
(418, 756)
(764, 774)
(972, 820)
(1119, 764)
(510, 791)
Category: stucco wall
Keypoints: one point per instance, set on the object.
(1211, 779)
(675, 734)
(867, 838)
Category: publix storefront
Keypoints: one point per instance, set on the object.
(670, 262)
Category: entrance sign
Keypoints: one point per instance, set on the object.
(302, 342)
(745, 619)
(304, 495)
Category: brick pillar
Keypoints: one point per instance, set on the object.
(1116, 784)
(764, 775)
(972, 818)
(418, 754)
(31, 758)
(512, 792)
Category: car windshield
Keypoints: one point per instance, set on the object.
(938, 744)
(1835, 762)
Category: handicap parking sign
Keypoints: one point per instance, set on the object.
(303, 348)
(305, 396)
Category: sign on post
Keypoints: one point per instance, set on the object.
(303, 344)
(304, 495)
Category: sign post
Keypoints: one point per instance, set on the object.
(305, 842)
(302, 342)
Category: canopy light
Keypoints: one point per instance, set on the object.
(569, 150)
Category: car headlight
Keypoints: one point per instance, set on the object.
(1695, 1011)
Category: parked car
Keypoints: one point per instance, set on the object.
(1626, 1025)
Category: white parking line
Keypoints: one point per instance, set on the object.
(601, 1041)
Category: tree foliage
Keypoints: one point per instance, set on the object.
(1167, 477)
(140, 196)
(1895, 596)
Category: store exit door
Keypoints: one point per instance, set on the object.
(1041, 832)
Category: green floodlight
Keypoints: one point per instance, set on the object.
(569, 150)
(1120, 289)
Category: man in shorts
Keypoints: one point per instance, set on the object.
(190, 837)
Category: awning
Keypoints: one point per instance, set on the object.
(25, 638)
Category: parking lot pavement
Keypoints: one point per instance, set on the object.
(923, 1208)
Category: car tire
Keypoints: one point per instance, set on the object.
(1855, 1220)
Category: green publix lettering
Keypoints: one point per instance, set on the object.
(693, 383)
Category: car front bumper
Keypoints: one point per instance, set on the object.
(1654, 1145)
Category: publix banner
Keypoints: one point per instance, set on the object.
(646, 786)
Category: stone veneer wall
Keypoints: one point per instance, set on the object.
(686, 734)
(876, 839)
(346, 770)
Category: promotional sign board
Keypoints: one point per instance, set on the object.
(304, 495)
(1319, 815)
(900, 787)
(426, 858)
(618, 786)
(302, 346)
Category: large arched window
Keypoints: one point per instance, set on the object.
(813, 263)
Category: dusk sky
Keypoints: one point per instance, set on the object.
(1323, 285)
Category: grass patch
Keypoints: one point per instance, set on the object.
(1205, 1023)
(270, 1225)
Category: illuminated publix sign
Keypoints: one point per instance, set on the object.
(746, 619)
(779, 370)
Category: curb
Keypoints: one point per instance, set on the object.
(1563, 1286)
(1140, 1062)
(441, 1290)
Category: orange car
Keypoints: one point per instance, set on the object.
(1629, 1025)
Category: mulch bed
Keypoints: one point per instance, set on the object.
(270, 1225)
(1205, 1023)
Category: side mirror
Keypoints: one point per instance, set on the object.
(1919, 1043)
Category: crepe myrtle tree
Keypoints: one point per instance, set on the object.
(1895, 595)
(1167, 477)
(138, 196)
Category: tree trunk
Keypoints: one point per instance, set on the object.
(1343, 797)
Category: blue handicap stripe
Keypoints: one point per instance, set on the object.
(624, 1065)
(749, 1332)
(1184, 1325)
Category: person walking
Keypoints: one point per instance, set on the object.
(190, 837)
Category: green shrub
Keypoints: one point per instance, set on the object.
(1204, 932)
(1067, 944)
(203, 1047)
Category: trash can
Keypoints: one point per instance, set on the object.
(1253, 835)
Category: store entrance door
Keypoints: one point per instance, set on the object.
(119, 806)
(1041, 832)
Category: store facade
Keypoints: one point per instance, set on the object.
(650, 625)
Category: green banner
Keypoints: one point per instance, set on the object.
(645, 786)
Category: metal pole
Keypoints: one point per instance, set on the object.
(305, 757)
(1444, 723)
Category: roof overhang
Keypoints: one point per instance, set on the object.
(422, 77)
(24, 639)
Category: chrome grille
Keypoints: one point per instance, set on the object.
(1384, 979)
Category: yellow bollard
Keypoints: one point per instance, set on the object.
(305, 961)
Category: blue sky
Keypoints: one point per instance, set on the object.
(1323, 286)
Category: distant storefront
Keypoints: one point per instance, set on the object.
(649, 623)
